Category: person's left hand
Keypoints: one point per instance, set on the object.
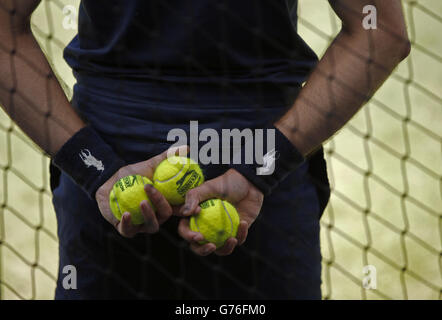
(233, 187)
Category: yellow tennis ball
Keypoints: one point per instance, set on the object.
(217, 221)
(126, 196)
(174, 176)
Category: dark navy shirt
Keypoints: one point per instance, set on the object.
(202, 41)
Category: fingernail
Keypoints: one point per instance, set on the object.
(186, 209)
(197, 237)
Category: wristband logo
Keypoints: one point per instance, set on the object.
(89, 160)
(229, 146)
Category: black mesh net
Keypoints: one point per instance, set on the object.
(384, 168)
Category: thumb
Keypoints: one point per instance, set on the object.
(208, 190)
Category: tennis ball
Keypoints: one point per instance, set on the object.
(217, 221)
(176, 175)
(126, 196)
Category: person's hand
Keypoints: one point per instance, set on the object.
(233, 187)
(152, 219)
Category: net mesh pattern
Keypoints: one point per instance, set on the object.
(384, 167)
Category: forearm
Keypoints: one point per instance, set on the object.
(352, 69)
(30, 93)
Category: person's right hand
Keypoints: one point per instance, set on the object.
(152, 219)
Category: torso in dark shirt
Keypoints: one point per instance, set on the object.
(238, 41)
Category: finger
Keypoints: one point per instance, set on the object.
(109, 216)
(173, 151)
(125, 226)
(202, 250)
(186, 233)
(227, 248)
(150, 220)
(147, 167)
(103, 204)
(243, 230)
(163, 208)
(181, 151)
(112, 219)
(231, 243)
(209, 189)
(176, 211)
(180, 214)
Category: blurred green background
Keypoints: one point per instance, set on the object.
(385, 168)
